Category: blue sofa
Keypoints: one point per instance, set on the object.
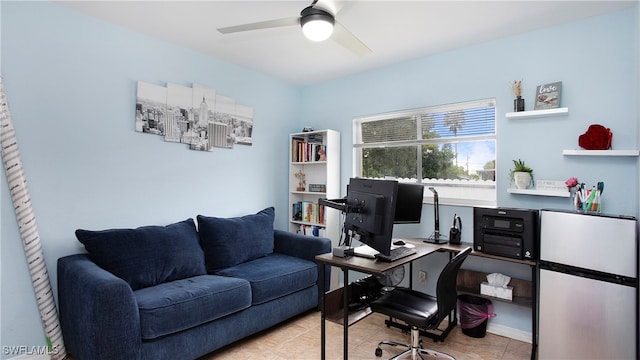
(174, 292)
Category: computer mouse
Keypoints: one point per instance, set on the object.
(399, 242)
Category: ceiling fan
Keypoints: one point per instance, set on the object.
(318, 24)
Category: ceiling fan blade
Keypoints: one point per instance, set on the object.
(345, 38)
(333, 7)
(261, 25)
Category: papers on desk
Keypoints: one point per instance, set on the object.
(365, 251)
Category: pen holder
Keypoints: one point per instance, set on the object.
(594, 207)
(576, 202)
(590, 202)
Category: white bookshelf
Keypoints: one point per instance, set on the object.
(325, 172)
(317, 172)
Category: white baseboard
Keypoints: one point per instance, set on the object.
(509, 332)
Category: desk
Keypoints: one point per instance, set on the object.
(377, 267)
(368, 266)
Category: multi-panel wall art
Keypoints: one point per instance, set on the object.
(195, 116)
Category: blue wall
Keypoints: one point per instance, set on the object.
(597, 61)
(70, 81)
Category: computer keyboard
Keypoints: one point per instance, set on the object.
(397, 253)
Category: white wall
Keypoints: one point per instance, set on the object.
(71, 87)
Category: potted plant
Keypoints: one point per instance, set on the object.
(521, 174)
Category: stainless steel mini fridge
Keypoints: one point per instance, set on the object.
(588, 286)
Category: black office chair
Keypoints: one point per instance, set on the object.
(422, 311)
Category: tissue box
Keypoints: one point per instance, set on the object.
(505, 293)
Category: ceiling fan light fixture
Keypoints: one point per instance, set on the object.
(317, 24)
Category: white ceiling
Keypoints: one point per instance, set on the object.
(394, 30)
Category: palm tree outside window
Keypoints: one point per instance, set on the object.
(449, 146)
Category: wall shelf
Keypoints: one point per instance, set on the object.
(539, 192)
(533, 114)
(601, 152)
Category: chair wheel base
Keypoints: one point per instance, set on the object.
(414, 350)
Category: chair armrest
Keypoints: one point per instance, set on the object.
(98, 312)
(303, 246)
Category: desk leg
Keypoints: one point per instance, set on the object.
(345, 308)
(410, 275)
(323, 315)
(453, 320)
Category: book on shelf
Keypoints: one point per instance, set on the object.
(548, 96)
(296, 211)
(308, 211)
(312, 230)
(306, 151)
(315, 138)
(295, 148)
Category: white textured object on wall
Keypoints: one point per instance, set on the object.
(29, 231)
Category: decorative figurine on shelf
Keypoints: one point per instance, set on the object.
(597, 137)
(301, 181)
(321, 155)
(518, 102)
(575, 189)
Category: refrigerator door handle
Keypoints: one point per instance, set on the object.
(590, 274)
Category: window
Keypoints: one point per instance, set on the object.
(450, 147)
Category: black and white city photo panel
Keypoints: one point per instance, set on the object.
(196, 116)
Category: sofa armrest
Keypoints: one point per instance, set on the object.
(303, 246)
(98, 312)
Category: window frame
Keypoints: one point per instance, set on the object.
(419, 113)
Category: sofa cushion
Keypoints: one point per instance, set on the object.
(178, 305)
(274, 276)
(232, 241)
(148, 255)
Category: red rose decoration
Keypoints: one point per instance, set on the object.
(597, 137)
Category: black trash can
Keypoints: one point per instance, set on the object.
(474, 312)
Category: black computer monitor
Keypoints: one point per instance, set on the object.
(409, 203)
(371, 211)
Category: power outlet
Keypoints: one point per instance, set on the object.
(422, 277)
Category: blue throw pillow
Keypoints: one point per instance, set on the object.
(232, 241)
(148, 255)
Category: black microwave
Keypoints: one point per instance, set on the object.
(512, 233)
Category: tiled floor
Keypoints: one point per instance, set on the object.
(299, 339)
